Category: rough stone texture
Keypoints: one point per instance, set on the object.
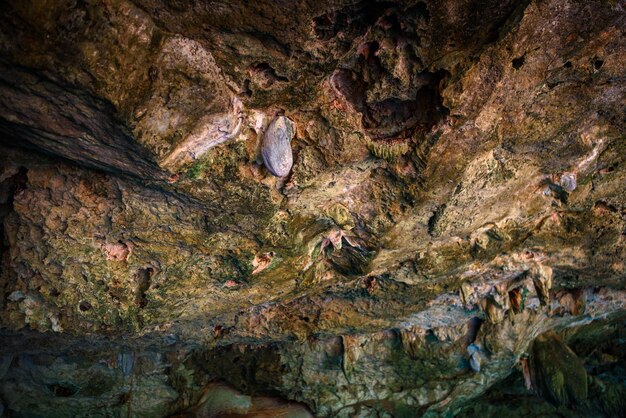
(43, 114)
(559, 375)
(458, 178)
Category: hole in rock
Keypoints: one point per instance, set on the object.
(518, 62)
(568, 65)
(62, 390)
(602, 208)
(431, 337)
(142, 277)
(325, 25)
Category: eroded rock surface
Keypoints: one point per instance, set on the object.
(440, 214)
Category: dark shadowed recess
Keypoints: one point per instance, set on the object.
(43, 114)
(393, 117)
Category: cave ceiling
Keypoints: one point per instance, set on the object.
(312, 208)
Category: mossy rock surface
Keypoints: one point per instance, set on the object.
(558, 374)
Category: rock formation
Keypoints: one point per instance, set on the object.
(335, 208)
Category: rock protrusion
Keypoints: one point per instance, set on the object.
(475, 357)
(542, 280)
(341, 216)
(558, 375)
(276, 148)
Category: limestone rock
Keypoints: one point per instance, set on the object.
(341, 216)
(542, 279)
(437, 157)
(276, 147)
(558, 374)
(475, 357)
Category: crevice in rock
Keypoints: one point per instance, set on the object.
(143, 279)
(433, 221)
(473, 328)
(9, 187)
